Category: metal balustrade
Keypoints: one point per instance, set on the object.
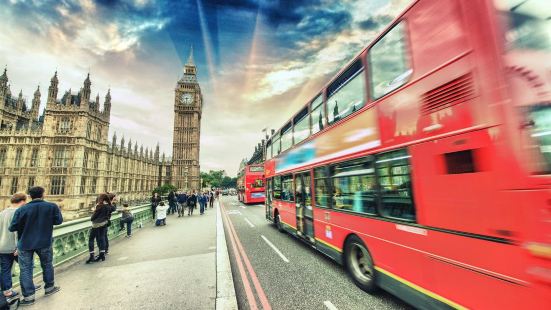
(71, 238)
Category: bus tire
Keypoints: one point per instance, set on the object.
(277, 222)
(359, 264)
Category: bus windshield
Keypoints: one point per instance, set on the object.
(256, 169)
(528, 24)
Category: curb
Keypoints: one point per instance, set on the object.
(225, 291)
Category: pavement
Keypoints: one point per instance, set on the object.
(167, 267)
(289, 273)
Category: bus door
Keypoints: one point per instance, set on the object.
(268, 200)
(303, 203)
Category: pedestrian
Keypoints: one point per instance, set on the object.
(99, 219)
(181, 199)
(8, 244)
(191, 203)
(217, 193)
(202, 202)
(211, 199)
(112, 208)
(34, 224)
(171, 202)
(155, 200)
(161, 214)
(126, 218)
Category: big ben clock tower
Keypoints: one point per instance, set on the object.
(188, 102)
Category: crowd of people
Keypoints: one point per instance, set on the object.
(26, 228)
(179, 202)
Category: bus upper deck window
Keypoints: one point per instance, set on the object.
(388, 62)
(528, 24)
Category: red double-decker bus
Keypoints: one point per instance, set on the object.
(250, 184)
(424, 165)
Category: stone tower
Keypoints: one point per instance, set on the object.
(188, 102)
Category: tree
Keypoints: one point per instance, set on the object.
(228, 182)
(165, 189)
(214, 178)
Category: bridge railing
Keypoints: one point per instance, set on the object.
(71, 238)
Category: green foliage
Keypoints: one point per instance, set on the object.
(228, 182)
(165, 189)
(217, 178)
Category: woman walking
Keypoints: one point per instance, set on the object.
(211, 199)
(155, 200)
(126, 218)
(99, 225)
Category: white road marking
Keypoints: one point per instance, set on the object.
(330, 305)
(249, 222)
(275, 249)
(233, 212)
(242, 207)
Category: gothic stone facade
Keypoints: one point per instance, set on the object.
(66, 151)
(188, 102)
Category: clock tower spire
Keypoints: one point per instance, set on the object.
(188, 103)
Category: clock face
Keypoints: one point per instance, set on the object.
(186, 98)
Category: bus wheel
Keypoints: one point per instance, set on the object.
(359, 264)
(277, 220)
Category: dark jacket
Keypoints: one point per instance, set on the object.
(155, 201)
(203, 199)
(34, 224)
(192, 200)
(101, 214)
(171, 197)
(182, 198)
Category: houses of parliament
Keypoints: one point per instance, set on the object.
(65, 149)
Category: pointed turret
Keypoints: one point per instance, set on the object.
(86, 90)
(52, 90)
(122, 143)
(107, 103)
(129, 147)
(36, 103)
(190, 58)
(135, 148)
(4, 82)
(114, 141)
(157, 151)
(190, 71)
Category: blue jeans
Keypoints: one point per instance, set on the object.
(6, 262)
(26, 265)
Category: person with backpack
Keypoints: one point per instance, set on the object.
(126, 218)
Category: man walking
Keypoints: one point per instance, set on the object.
(34, 224)
(182, 199)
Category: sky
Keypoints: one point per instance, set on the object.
(258, 61)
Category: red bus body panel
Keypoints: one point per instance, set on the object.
(469, 246)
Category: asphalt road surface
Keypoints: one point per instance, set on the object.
(273, 270)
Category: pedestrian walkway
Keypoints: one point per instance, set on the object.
(167, 267)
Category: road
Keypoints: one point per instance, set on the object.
(281, 272)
